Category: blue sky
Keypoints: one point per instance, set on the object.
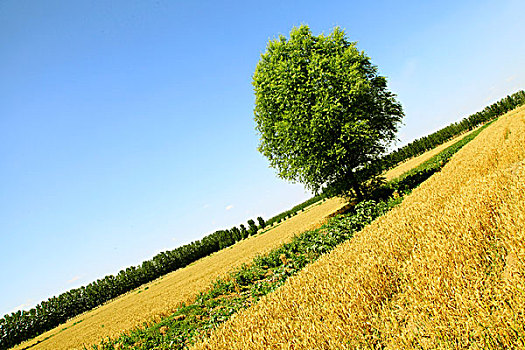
(127, 126)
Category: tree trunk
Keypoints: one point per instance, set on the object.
(355, 186)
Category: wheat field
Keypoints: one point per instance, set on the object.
(162, 296)
(443, 270)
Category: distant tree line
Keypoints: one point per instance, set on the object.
(23, 325)
(423, 144)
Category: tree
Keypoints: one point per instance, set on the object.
(236, 234)
(252, 228)
(323, 113)
(244, 231)
(262, 224)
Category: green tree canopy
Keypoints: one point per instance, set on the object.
(323, 113)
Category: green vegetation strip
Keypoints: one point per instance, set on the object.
(247, 284)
